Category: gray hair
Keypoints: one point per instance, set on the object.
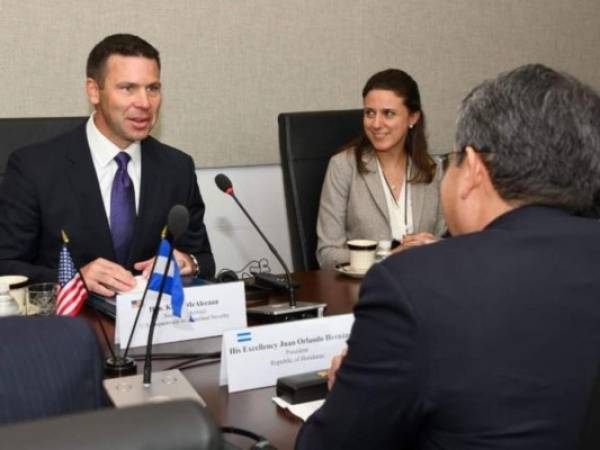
(538, 132)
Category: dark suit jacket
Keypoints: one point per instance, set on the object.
(489, 340)
(53, 186)
(49, 366)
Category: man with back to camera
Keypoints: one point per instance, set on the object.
(107, 183)
(490, 339)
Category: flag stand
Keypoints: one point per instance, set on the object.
(119, 367)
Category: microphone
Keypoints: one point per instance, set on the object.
(119, 366)
(278, 312)
(136, 389)
(224, 183)
(177, 223)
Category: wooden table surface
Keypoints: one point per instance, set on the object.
(253, 410)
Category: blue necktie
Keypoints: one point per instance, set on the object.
(122, 209)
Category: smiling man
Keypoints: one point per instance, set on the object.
(108, 183)
(489, 339)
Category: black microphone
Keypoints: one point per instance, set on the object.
(177, 224)
(118, 366)
(171, 384)
(273, 313)
(224, 183)
(178, 221)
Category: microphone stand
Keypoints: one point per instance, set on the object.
(288, 275)
(118, 366)
(148, 361)
(274, 312)
(136, 389)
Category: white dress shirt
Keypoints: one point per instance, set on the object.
(399, 211)
(103, 154)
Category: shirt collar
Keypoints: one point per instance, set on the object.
(104, 150)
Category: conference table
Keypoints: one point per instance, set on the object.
(254, 410)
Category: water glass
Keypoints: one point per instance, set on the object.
(41, 299)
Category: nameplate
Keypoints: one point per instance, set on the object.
(211, 310)
(256, 357)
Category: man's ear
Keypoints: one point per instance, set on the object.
(474, 172)
(93, 91)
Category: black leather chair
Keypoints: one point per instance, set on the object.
(306, 142)
(16, 133)
(48, 366)
(179, 425)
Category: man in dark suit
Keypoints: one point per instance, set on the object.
(489, 339)
(108, 184)
(50, 366)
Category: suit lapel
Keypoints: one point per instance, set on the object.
(93, 224)
(374, 186)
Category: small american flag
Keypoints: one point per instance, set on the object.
(71, 292)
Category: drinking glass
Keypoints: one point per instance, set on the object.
(41, 299)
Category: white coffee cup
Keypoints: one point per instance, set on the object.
(17, 288)
(362, 254)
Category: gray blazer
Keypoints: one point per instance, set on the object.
(353, 206)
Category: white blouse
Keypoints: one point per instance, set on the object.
(399, 211)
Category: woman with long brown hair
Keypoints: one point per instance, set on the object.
(384, 185)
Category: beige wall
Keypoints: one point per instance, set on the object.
(230, 66)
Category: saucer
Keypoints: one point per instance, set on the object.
(345, 269)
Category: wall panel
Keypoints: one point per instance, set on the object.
(230, 66)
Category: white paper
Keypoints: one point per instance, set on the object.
(212, 309)
(140, 286)
(301, 410)
(256, 357)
